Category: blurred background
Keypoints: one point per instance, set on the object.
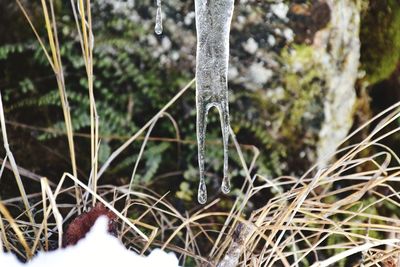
(302, 75)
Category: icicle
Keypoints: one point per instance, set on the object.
(158, 28)
(213, 19)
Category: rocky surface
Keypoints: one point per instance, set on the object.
(338, 51)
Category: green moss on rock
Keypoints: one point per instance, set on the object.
(380, 38)
(302, 80)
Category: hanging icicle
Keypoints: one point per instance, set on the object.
(158, 28)
(213, 19)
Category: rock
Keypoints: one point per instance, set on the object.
(306, 20)
(380, 36)
(338, 50)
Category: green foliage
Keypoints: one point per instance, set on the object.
(8, 49)
(184, 192)
(127, 77)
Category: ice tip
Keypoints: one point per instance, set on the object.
(202, 193)
(201, 199)
(226, 186)
(158, 29)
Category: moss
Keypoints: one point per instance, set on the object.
(303, 87)
(380, 38)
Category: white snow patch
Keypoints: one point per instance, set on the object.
(258, 74)
(289, 35)
(241, 19)
(232, 73)
(275, 94)
(98, 249)
(166, 43)
(271, 40)
(175, 55)
(280, 10)
(189, 18)
(250, 46)
(152, 40)
(118, 6)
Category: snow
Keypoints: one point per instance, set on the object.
(118, 6)
(271, 40)
(259, 74)
(250, 46)
(98, 249)
(280, 10)
(289, 35)
(276, 94)
(232, 73)
(166, 44)
(189, 18)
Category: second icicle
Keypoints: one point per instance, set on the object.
(213, 21)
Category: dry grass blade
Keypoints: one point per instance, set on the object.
(90, 191)
(3, 239)
(21, 7)
(18, 232)
(14, 164)
(300, 221)
(347, 253)
(58, 70)
(87, 43)
(57, 215)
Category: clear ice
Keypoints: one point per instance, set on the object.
(213, 19)
(158, 28)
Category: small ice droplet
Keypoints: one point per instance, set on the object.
(158, 28)
(202, 193)
(226, 185)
